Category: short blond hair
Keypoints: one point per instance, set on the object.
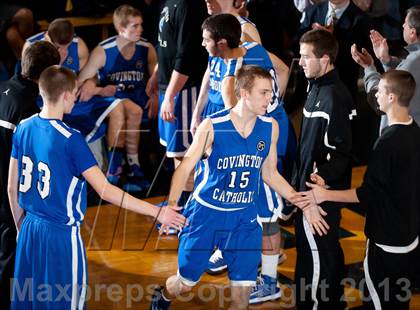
(122, 13)
(246, 77)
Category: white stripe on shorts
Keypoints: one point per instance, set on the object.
(84, 286)
(74, 262)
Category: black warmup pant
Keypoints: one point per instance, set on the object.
(320, 264)
(387, 279)
(7, 260)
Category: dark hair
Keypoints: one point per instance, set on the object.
(61, 31)
(413, 18)
(122, 13)
(38, 56)
(246, 76)
(223, 26)
(402, 84)
(323, 42)
(54, 81)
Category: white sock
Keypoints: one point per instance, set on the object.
(133, 159)
(269, 265)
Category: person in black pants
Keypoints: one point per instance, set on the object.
(390, 196)
(17, 102)
(323, 156)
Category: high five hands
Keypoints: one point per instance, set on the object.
(309, 201)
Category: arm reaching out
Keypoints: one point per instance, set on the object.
(165, 215)
(271, 176)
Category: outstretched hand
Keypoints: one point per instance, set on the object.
(314, 216)
(170, 218)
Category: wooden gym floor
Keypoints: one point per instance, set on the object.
(127, 258)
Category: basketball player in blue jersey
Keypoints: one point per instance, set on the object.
(123, 64)
(233, 150)
(73, 50)
(221, 35)
(49, 167)
(249, 31)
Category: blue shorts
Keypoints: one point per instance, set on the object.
(51, 258)
(268, 202)
(212, 108)
(176, 136)
(88, 116)
(238, 234)
(138, 96)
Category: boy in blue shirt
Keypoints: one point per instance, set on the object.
(49, 167)
(233, 150)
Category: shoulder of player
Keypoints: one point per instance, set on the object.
(144, 42)
(65, 130)
(25, 123)
(206, 125)
(108, 43)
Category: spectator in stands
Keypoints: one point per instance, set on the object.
(411, 34)
(17, 101)
(387, 18)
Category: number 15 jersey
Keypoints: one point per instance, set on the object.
(228, 179)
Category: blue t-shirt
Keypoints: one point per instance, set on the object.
(51, 159)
